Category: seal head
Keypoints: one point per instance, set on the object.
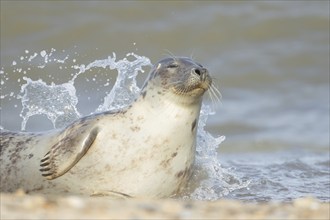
(182, 77)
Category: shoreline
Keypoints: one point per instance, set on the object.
(23, 206)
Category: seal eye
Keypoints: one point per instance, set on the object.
(173, 65)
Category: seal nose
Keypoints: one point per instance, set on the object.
(201, 72)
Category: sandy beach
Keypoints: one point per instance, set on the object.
(22, 206)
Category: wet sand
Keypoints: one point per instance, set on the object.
(21, 206)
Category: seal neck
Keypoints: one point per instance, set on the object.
(165, 101)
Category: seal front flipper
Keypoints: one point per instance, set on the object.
(73, 145)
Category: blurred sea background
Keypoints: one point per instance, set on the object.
(269, 59)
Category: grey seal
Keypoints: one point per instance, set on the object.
(144, 150)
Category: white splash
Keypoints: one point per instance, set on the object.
(57, 102)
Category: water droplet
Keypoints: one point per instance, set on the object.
(43, 53)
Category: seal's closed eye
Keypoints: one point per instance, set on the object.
(200, 65)
(173, 65)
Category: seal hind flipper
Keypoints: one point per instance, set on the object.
(67, 152)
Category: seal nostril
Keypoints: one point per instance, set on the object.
(197, 71)
(201, 72)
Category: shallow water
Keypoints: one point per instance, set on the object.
(270, 60)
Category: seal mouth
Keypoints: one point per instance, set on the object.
(193, 89)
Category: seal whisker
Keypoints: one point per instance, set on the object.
(213, 101)
(170, 54)
(213, 87)
(214, 97)
(216, 93)
(213, 92)
(192, 54)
